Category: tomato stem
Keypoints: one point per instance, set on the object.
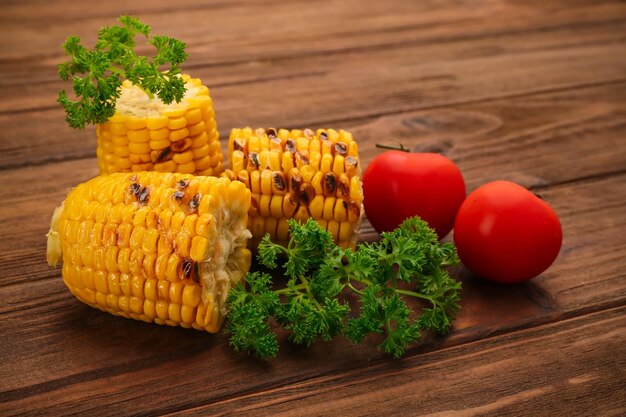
(394, 148)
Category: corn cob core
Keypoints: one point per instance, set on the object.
(145, 134)
(162, 248)
(299, 174)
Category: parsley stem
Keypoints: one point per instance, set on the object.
(295, 287)
(356, 290)
(416, 294)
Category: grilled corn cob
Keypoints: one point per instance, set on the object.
(156, 247)
(145, 134)
(298, 174)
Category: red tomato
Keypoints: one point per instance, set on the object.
(397, 185)
(506, 234)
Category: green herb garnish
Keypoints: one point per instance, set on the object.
(97, 74)
(407, 263)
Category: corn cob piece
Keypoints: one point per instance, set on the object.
(298, 174)
(163, 248)
(145, 134)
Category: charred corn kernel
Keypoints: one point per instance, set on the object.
(141, 125)
(136, 245)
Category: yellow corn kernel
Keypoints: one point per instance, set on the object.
(141, 136)
(142, 167)
(356, 192)
(193, 116)
(201, 151)
(326, 163)
(183, 158)
(271, 224)
(341, 210)
(186, 168)
(167, 166)
(176, 123)
(202, 163)
(160, 134)
(266, 181)
(333, 228)
(139, 158)
(329, 205)
(316, 207)
(157, 122)
(178, 134)
(338, 165)
(282, 230)
(139, 147)
(289, 205)
(264, 205)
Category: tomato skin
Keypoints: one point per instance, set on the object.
(506, 234)
(397, 185)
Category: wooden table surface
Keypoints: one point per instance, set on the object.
(528, 91)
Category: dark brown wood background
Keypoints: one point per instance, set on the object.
(532, 91)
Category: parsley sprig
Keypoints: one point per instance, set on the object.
(97, 74)
(407, 263)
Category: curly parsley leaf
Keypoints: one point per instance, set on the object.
(97, 74)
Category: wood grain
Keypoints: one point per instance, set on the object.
(529, 91)
(567, 368)
(334, 89)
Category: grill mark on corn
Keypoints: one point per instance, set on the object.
(254, 158)
(354, 208)
(323, 136)
(238, 145)
(330, 183)
(344, 185)
(178, 196)
(182, 184)
(188, 270)
(306, 194)
(142, 194)
(279, 181)
(296, 182)
(302, 157)
(290, 145)
(341, 148)
(271, 133)
(351, 162)
(194, 203)
(181, 145)
(162, 155)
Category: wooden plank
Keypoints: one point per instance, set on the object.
(86, 359)
(573, 367)
(333, 90)
(217, 32)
